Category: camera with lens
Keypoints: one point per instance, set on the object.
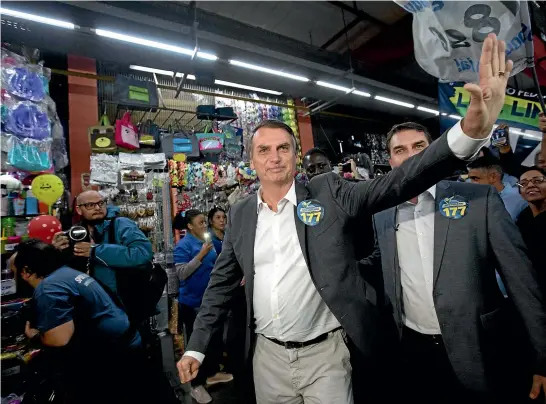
(76, 234)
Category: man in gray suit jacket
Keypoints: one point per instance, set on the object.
(461, 340)
(304, 293)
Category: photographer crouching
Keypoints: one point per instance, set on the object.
(86, 337)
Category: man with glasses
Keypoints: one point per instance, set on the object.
(532, 221)
(107, 252)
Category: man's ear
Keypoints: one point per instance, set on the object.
(79, 210)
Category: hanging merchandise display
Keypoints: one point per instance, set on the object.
(32, 138)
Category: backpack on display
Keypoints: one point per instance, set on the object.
(126, 133)
(149, 135)
(210, 143)
(102, 136)
(137, 94)
(180, 142)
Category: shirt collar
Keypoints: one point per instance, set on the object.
(290, 197)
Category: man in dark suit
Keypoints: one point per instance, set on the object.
(461, 340)
(305, 295)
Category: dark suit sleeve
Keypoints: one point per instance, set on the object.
(224, 280)
(517, 274)
(413, 177)
(370, 268)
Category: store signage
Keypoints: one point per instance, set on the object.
(521, 108)
(520, 113)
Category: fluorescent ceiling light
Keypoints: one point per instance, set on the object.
(391, 101)
(429, 110)
(205, 55)
(153, 44)
(267, 70)
(334, 86)
(159, 71)
(189, 76)
(152, 70)
(456, 117)
(37, 18)
(362, 93)
(261, 90)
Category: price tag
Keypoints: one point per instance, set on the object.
(10, 247)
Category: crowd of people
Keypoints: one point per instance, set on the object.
(344, 290)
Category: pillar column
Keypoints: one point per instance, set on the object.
(83, 112)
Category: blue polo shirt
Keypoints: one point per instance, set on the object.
(69, 295)
(216, 242)
(513, 202)
(191, 290)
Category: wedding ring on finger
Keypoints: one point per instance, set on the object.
(501, 74)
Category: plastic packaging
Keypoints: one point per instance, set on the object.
(27, 120)
(32, 204)
(29, 154)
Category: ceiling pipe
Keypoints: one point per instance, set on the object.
(223, 40)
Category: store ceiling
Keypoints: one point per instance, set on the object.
(311, 39)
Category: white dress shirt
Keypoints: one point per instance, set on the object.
(415, 246)
(299, 319)
(287, 305)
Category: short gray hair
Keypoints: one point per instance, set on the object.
(272, 124)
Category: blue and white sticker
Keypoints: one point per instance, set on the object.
(310, 212)
(454, 207)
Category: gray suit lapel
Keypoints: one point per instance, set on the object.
(441, 227)
(301, 194)
(249, 237)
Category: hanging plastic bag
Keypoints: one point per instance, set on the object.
(29, 154)
(27, 120)
(126, 133)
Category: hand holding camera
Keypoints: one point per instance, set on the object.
(73, 238)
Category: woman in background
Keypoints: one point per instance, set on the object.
(217, 223)
(194, 258)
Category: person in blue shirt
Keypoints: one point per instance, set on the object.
(487, 170)
(217, 226)
(194, 258)
(88, 337)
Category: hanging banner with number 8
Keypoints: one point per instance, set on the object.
(448, 35)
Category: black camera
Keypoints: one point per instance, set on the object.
(76, 234)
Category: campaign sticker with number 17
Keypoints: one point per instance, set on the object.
(454, 207)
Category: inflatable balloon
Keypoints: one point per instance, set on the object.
(47, 188)
(44, 227)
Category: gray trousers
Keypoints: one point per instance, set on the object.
(316, 374)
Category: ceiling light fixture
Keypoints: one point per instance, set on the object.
(37, 18)
(456, 117)
(159, 71)
(429, 110)
(391, 101)
(267, 70)
(261, 90)
(151, 70)
(153, 44)
(361, 93)
(334, 86)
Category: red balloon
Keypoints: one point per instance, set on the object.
(44, 228)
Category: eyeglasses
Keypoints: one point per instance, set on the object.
(534, 181)
(91, 205)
